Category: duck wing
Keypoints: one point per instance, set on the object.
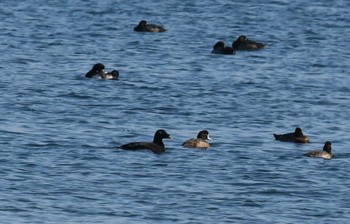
(155, 148)
(195, 143)
(253, 44)
(155, 28)
(190, 143)
(319, 153)
(285, 137)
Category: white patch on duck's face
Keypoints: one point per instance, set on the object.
(208, 138)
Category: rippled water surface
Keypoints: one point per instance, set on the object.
(60, 132)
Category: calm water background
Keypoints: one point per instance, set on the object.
(60, 132)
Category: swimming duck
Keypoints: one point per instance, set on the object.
(221, 48)
(243, 43)
(145, 27)
(98, 70)
(199, 142)
(326, 153)
(296, 136)
(157, 146)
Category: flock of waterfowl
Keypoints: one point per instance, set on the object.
(201, 142)
(241, 43)
(157, 146)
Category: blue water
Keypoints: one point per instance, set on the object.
(60, 132)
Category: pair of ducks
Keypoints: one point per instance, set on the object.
(143, 26)
(157, 146)
(298, 137)
(241, 43)
(98, 71)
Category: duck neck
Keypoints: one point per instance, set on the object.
(328, 149)
(158, 141)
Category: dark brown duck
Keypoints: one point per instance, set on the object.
(157, 146)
